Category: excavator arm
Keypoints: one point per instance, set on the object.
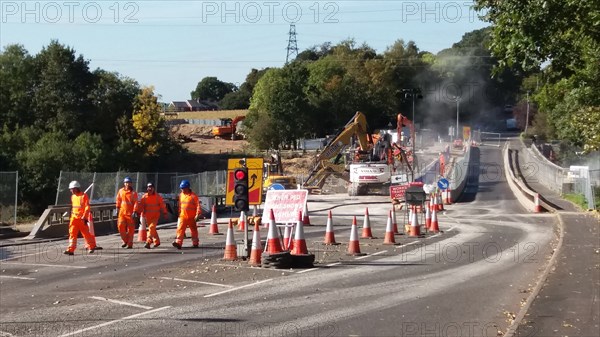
(357, 126)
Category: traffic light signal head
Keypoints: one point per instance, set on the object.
(241, 201)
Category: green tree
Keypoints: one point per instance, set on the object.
(210, 88)
(16, 78)
(151, 132)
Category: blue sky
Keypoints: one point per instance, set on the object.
(172, 45)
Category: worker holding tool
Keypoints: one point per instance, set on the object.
(150, 207)
(127, 199)
(80, 210)
(189, 213)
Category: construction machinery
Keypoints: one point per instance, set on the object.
(229, 128)
(274, 177)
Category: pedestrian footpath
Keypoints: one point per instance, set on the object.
(568, 303)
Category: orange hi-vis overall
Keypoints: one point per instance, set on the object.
(189, 209)
(126, 202)
(80, 210)
(150, 207)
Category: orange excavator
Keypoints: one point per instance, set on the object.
(228, 129)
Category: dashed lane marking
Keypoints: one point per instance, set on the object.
(78, 332)
(42, 265)
(17, 278)
(194, 281)
(120, 302)
(238, 288)
(374, 254)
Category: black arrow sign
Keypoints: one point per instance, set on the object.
(253, 177)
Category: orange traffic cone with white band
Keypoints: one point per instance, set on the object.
(428, 215)
(434, 227)
(142, 230)
(389, 232)
(299, 244)
(329, 236)
(353, 244)
(230, 246)
(448, 196)
(273, 239)
(415, 230)
(287, 235)
(440, 203)
(305, 218)
(91, 223)
(213, 228)
(366, 230)
(242, 222)
(394, 222)
(256, 252)
(537, 208)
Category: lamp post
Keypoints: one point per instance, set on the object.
(527, 117)
(413, 92)
(457, 98)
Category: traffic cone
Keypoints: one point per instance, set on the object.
(448, 196)
(213, 229)
(242, 222)
(230, 246)
(353, 244)
(287, 234)
(394, 222)
(415, 230)
(537, 208)
(305, 218)
(366, 230)
(273, 239)
(428, 215)
(256, 252)
(434, 227)
(439, 201)
(329, 236)
(142, 230)
(299, 244)
(389, 232)
(91, 224)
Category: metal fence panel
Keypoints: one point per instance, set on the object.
(9, 188)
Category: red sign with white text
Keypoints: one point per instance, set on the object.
(285, 204)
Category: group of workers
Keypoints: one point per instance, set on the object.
(130, 208)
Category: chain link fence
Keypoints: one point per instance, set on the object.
(103, 187)
(9, 188)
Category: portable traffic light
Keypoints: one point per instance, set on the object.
(241, 201)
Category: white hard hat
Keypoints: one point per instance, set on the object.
(74, 184)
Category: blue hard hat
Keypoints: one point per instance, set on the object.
(184, 184)
(127, 180)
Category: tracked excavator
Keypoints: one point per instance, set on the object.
(366, 166)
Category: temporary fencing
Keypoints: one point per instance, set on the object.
(9, 189)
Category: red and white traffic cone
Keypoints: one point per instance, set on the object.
(366, 230)
(213, 228)
(434, 227)
(273, 239)
(428, 215)
(448, 196)
(230, 246)
(91, 224)
(329, 236)
(287, 235)
(305, 218)
(299, 244)
(389, 232)
(256, 252)
(142, 230)
(439, 201)
(353, 244)
(537, 208)
(415, 230)
(242, 222)
(394, 222)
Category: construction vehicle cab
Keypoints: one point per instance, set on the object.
(273, 175)
(228, 128)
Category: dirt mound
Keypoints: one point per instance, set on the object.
(298, 165)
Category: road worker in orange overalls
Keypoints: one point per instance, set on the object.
(127, 199)
(189, 213)
(80, 210)
(150, 207)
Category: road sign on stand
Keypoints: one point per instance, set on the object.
(443, 184)
(285, 204)
(255, 175)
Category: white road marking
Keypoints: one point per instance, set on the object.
(115, 321)
(410, 243)
(333, 264)
(433, 236)
(44, 265)
(17, 277)
(374, 254)
(306, 270)
(120, 302)
(19, 256)
(194, 281)
(238, 288)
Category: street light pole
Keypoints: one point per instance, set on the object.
(457, 109)
(527, 117)
(414, 141)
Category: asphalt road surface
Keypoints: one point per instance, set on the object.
(469, 280)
